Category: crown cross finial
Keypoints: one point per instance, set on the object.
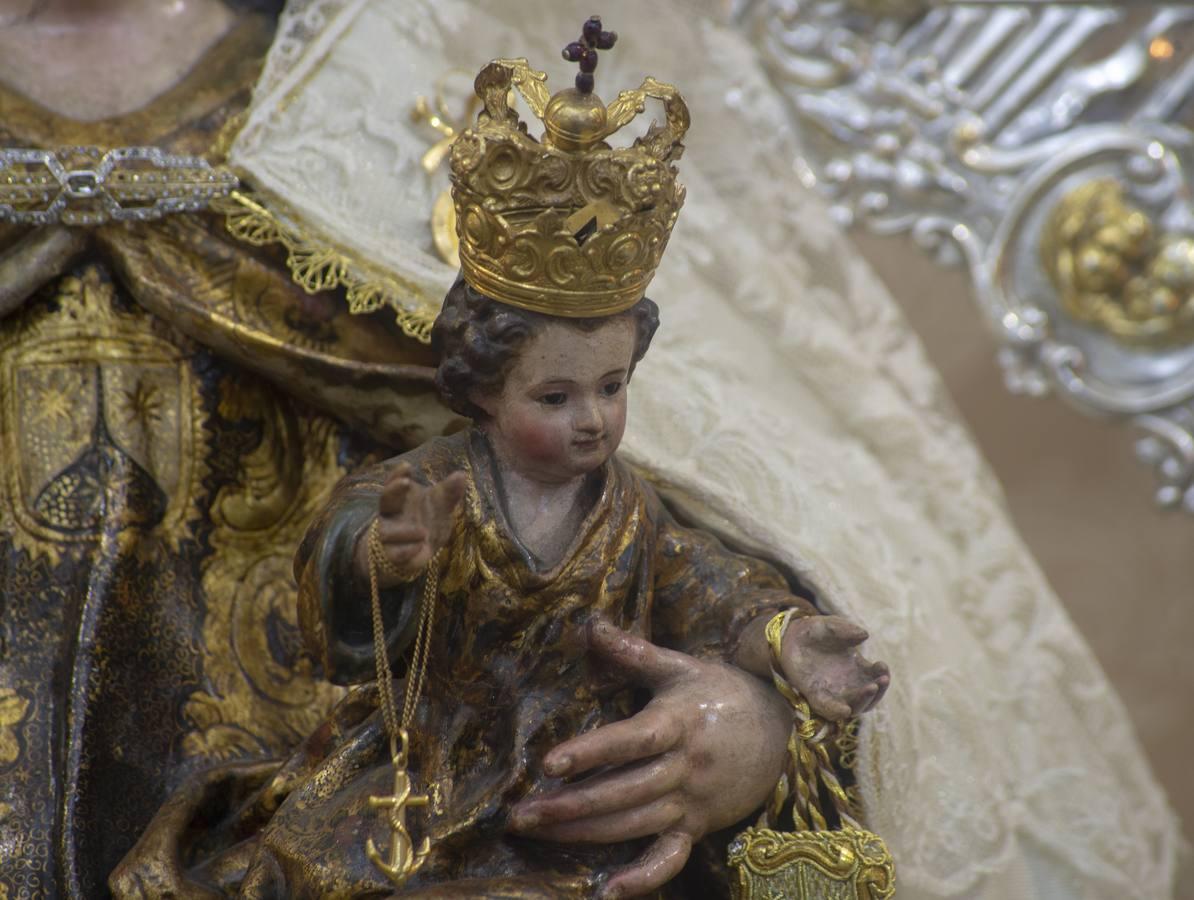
(584, 51)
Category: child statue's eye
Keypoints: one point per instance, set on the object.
(612, 388)
(555, 398)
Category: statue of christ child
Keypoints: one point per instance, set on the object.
(565, 579)
(589, 680)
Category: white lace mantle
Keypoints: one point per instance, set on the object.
(786, 403)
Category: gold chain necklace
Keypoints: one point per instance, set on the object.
(403, 859)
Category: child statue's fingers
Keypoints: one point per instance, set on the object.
(642, 821)
(659, 864)
(410, 557)
(452, 489)
(836, 633)
(400, 532)
(440, 504)
(638, 659)
(882, 682)
(831, 708)
(624, 788)
(392, 501)
(648, 733)
(863, 699)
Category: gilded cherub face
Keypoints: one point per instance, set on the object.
(561, 411)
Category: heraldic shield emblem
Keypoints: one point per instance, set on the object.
(97, 416)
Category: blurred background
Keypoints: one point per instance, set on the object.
(1123, 567)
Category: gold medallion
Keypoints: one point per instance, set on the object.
(850, 864)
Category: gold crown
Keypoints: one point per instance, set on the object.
(565, 225)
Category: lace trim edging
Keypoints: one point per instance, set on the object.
(317, 266)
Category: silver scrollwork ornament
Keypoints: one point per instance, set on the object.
(1044, 147)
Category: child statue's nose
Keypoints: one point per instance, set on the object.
(588, 419)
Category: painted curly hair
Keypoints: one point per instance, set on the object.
(478, 338)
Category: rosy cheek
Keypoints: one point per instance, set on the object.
(538, 437)
(615, 421)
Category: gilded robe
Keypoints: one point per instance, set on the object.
(163, 449)
(507, 679)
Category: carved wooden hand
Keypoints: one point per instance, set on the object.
(705, 752)
(822, 662)
(414, 522)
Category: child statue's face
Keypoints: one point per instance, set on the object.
(562, 409)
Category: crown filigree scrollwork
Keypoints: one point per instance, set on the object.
(662, 140)
(565, 225)
(493, 88)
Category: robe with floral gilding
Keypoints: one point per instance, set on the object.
(172, 411)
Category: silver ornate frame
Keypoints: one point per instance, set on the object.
(963, 124)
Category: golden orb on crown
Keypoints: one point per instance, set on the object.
(575, 120)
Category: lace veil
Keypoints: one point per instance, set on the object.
(785, 404)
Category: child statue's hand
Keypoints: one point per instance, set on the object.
(413, 522)
(705, 752)
(821, 661)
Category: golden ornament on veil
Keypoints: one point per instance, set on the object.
(565, 225)
(435, 113)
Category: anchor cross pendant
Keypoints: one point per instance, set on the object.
(404, 860)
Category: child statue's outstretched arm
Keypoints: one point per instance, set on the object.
(413, 520)
(713, 602)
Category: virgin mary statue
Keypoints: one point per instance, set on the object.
(785, 406)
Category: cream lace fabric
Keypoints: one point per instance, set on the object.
(349, 167)
(298, 27)
(787, 405)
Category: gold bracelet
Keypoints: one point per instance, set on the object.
(777, 627)
(808, 757)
